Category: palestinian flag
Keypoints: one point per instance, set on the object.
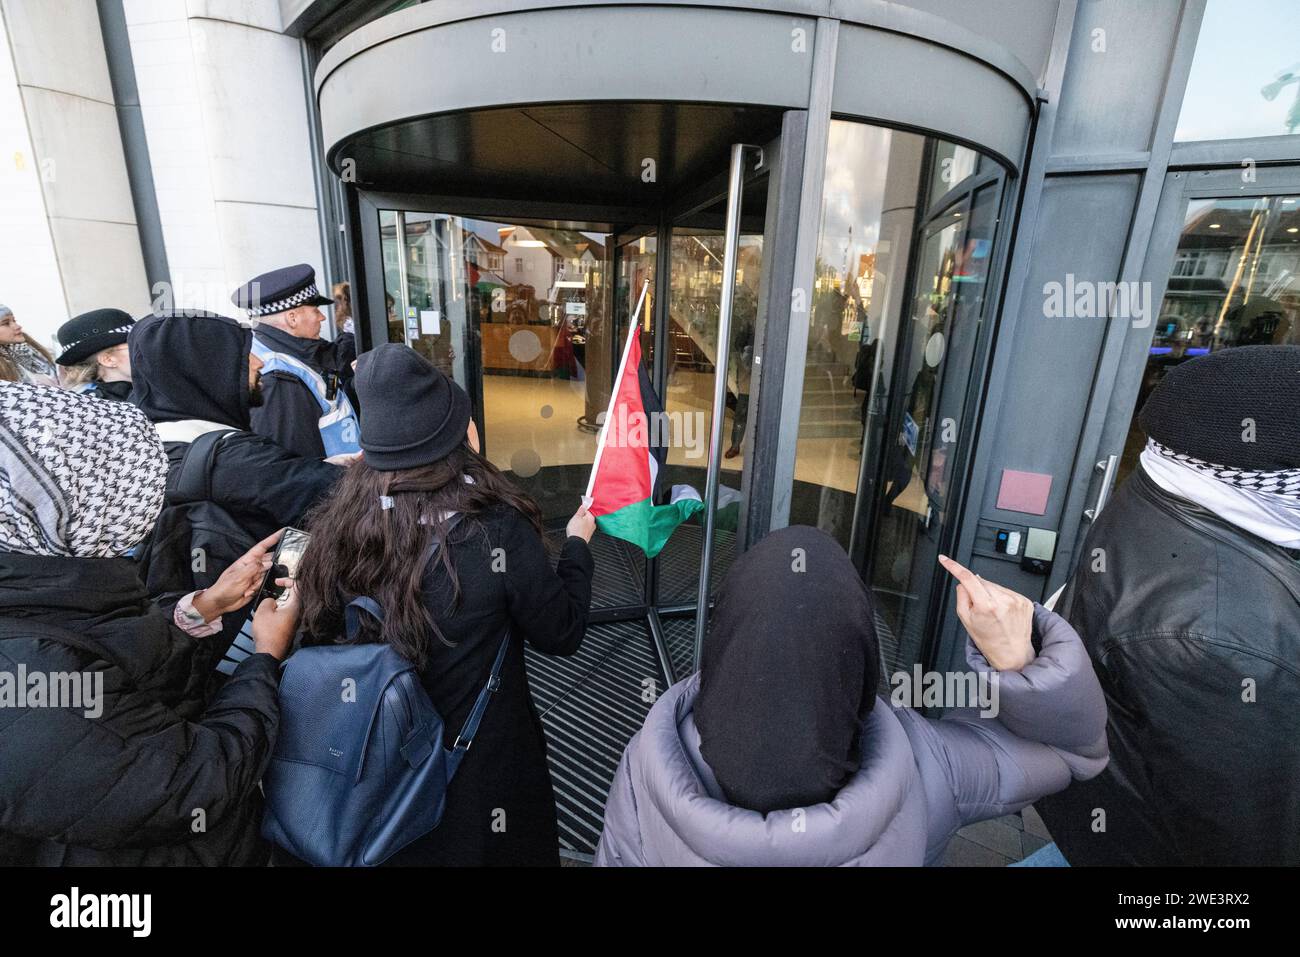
(630, 457)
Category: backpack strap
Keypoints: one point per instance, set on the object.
(194, 481)
(355, 608)
(470, 728)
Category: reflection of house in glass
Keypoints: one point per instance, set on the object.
(556, 263)
(1235, 279)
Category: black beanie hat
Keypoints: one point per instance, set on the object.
(411, 414)
(1201, 408)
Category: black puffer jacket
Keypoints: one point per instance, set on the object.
(157, 778)
(1193, 626)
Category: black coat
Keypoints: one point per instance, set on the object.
(124, 787)
(1184, 610)
(196, 367)
(500, 806)
(118, 390)
(289, 411)
(261, 485)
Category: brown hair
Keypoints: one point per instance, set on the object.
(358, 547)
(342, 293)
(9, 370)
(79, 374)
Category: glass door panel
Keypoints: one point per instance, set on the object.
(1235, 281)
(894, 331)
(873, 177)
(922, 456)
(691, 362)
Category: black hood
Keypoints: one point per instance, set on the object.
(788, 674)
(191, 365)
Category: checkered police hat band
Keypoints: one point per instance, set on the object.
(107, 332)
(282, 305)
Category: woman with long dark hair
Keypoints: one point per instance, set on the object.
(22, 358)
(422, 483)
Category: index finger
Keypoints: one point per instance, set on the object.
(974, 584)
(265, 544)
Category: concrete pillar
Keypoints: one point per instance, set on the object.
(68, 238)
(221, 93)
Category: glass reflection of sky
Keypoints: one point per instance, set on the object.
(1242, 48)
(858, 159)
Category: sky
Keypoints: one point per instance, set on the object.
(1242, 47)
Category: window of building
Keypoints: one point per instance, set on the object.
(1245, 290)
(1245, 78)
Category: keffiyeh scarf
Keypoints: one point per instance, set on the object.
(79, 477)
(1266, 504)
(31, 364)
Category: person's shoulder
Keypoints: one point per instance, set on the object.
(244, 449)
(506, 524)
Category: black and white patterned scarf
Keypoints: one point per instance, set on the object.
(79, 477)
(31, 364)
(1284, 482)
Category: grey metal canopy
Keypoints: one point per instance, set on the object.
(508, 97)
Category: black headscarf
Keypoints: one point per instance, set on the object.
(788, 674)
(191, 366)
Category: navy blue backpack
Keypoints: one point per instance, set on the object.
(359, 769)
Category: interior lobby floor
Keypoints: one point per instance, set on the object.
(526, 415)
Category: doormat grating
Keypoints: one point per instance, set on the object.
(591, 704)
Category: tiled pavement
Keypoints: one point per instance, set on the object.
(998, 842)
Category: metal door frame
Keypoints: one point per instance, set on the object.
(991, 175)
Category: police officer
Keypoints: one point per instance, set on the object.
(305, 407)
(93, 359)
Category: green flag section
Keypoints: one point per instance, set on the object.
(728, 515)
(646, 525)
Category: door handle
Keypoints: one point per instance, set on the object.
(1107, 467)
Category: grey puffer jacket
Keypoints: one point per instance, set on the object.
(920, 781)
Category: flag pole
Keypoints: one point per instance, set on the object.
(613, 393)
(730, 256)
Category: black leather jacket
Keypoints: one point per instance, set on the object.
(1193, 626)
